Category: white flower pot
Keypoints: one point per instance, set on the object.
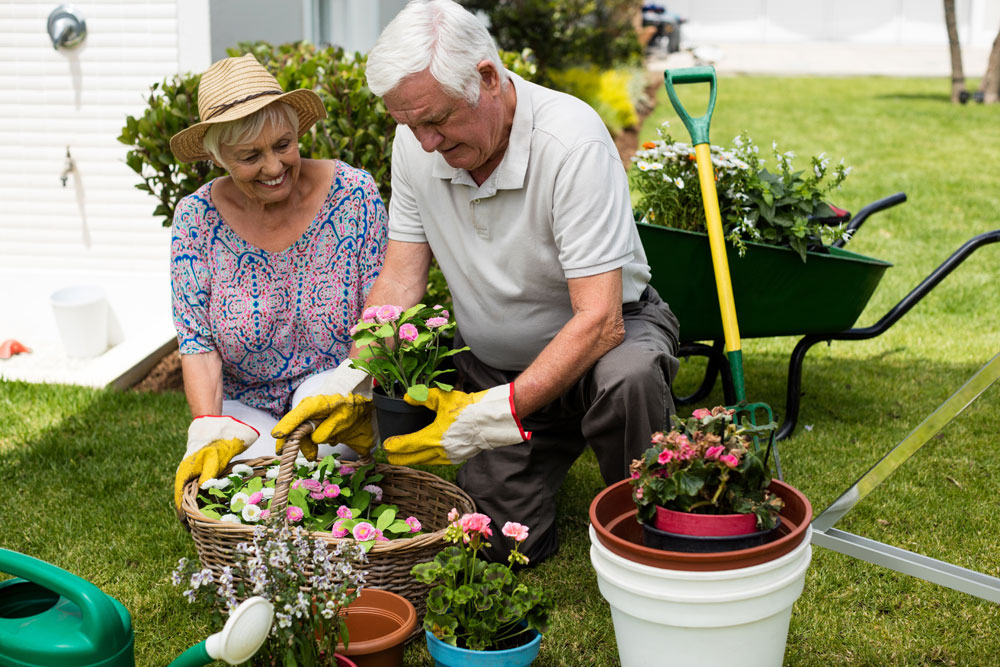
(677, 617)
(81, 313)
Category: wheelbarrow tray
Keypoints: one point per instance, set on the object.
(776, 293)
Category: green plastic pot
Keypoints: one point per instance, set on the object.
(776, 293)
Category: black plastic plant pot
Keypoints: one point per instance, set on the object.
(661, 539)
(397, 417)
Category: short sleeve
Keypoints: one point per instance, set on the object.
(190, 276)
(592, 212)
(404, 214)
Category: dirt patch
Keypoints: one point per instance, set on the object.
(166, 375)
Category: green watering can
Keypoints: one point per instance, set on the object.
(52, 618)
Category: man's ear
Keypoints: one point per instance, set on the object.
(488, 75)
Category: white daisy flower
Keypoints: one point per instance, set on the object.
(223, 483)
(209, 484)
(243, 470)
(238, 500)
(251, 513)
(679, 182)
(272, 472)
(230, 518)
(267, 492)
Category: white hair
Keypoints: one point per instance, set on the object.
(439, 35)
(247, 129)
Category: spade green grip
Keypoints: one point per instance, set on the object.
(697, 127)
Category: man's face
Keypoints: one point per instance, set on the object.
(468, 137)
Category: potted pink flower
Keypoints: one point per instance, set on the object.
(403, 351)
(703, 485)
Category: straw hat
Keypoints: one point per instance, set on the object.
(236, 87)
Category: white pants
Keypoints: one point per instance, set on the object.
(264, 422)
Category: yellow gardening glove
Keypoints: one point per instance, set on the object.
(346, 419)
(341, 399)
(466, 424)
(212, 443)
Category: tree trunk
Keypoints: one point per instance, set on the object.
(990, 87)
(957, 75)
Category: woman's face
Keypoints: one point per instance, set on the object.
(266, 169)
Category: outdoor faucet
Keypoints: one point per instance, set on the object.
(68, 168)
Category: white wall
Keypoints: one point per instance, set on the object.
(883, 22)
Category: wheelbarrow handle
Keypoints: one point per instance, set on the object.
(696, 127)
(862, 215)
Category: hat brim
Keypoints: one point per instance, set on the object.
(187, 145)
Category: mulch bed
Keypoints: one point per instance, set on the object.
(166, 375)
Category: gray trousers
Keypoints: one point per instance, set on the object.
(614, 408)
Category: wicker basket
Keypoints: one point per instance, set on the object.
(415, 492)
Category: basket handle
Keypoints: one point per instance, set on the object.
(286, 469)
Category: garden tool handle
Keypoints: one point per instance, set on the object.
(100, 620)
(286, 469)
(697, 127)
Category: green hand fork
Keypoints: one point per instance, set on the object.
(698, 129)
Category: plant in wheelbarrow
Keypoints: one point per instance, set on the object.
(478, 612)
(783, 207)
(403, 352)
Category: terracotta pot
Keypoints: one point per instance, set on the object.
(379, 623)
(613, 516)
(397, 417)
(715, 525)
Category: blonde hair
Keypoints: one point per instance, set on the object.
(248, 128)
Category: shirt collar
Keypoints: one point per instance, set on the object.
(511, 172)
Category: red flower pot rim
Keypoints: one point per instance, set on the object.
(613, 516)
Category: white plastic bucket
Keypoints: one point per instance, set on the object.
(82, 319)
(674, 617)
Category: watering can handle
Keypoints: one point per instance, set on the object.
(697, 127)
(100, 619)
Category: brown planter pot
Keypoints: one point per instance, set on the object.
(379, 622)
(613, 515)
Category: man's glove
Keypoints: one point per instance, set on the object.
(343, 402)
(212, 443)
(465, 425)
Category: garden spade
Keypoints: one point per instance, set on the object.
(698, 129)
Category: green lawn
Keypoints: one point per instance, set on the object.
(86, 475)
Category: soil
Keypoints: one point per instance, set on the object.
(166, 375)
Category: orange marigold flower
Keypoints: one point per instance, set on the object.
(648, 145)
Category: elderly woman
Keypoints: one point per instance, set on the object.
(270, 265)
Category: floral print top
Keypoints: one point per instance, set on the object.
(276, 318)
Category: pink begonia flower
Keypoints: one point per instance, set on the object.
(730, 460)
(294, 514)
(713, 453)
(316, 495)
(635, 475)
(638, 493)
(379, 537)
(265, 514)
(658, 438)
(296, 483)
(665, 457)
(413, 523)
(346, 470)
(255, 498)
(376, 491)
(388, 314)
(338, 529)
(331, 490)
(363, 532)
(435, 322)
(453, 515)
(443, 313)
(476, 523)
(371, 312)
(311, 485)
(344, 512)
(701, 413)
(517, 531)
(408, 332)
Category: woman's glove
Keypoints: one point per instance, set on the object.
(212, 442)
(342, 401)
(465, 425)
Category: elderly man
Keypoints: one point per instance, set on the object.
(519, 193)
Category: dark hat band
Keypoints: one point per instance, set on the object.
(222, 108)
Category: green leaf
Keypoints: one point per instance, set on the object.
(418, 392)
(385, 519)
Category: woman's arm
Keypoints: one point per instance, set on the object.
(203, 382)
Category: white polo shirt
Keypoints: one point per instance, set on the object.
(556, 207)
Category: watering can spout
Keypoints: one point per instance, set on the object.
(237, 642)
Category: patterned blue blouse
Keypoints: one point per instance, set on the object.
(276, 318)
